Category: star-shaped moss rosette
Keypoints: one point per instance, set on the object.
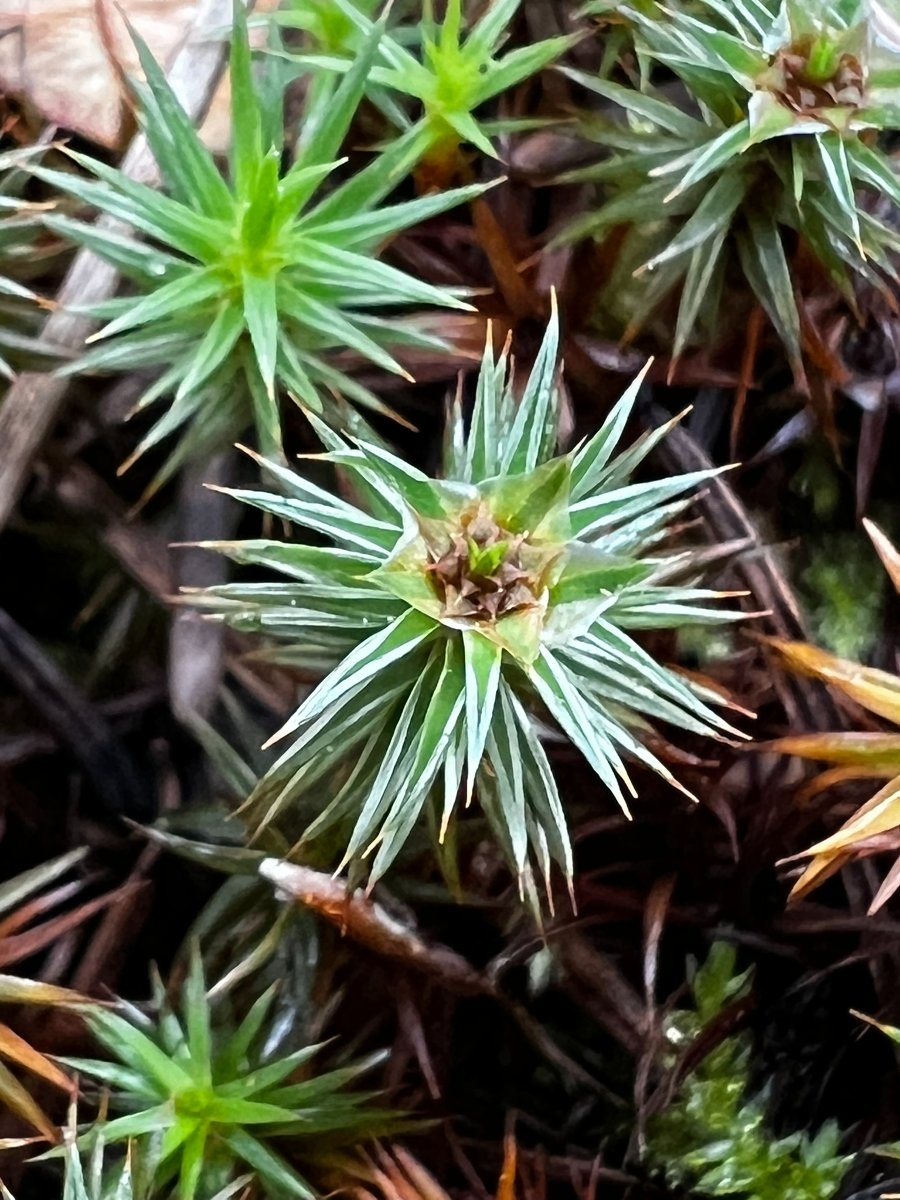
(450, 612)
(450, 75)
(769, 142)
(249, 282)
(207, 1102)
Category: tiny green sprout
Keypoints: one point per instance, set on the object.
(247, 283)
(484, 560)
(204, 1103)
(453, 74)
(451, 613)
(823, 59)
(768, 148)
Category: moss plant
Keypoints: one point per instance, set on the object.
(207, 1103)
(246, 282)
(450, 75)
(450, 612)
(769, 139)
(713, 1138)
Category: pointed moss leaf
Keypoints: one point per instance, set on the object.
(533, 434)
(261, 317)
(16, 890)
(394, 765)
(588, 572)
(135, 203)
(307, 564)
(549, 825)
(505, 771)
(246, 126)
(719, 151)
(482, 679)
(765, 265)
(704, 262)
(271, 1167)
(325, 514)
(485, 444)
(525, 503)
(713, 214)
(138, 1050)
(199, 1036)
(440, 727)
(646, 106)
(837, 172)
(427, 497)
(187, 291)
(176, 144)
(258, 229)
(560, 692)
(263, 1078)
(366, 230)
(593, 516)
(590, 460)
(376, 653)
(192, 1154)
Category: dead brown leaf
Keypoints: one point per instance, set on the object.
(506, 1186)
(878, 691)
(68, 60)
(887, 551)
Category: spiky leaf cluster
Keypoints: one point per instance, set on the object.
(451, 73)
(90, 1174)
(449, 612)
(247, 282)
(713, 1137)
(205, 1102)
(768, 141)
(22, 257)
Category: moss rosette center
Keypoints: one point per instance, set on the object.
(481, 571)
(813, 76)
(476, 570)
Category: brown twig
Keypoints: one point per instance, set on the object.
(370, 924)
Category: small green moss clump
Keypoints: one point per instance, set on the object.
(713, 1137)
